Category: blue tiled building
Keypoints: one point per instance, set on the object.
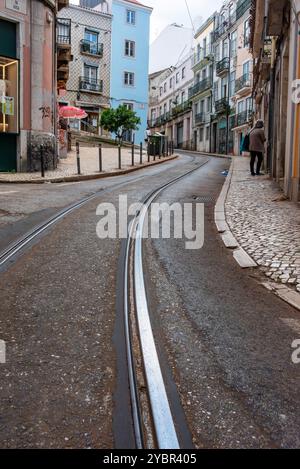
(130, 59)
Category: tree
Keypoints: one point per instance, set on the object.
(119, 121)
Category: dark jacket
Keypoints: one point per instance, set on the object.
(257, 140)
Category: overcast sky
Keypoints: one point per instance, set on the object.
(174, 11)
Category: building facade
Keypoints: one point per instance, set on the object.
(28, 83)
(200, 93)
(130, 60)
(170, 111)
(232, 89)
(275, 42)
(88, 84)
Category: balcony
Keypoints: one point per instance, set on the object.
(90, 85)
(64, 56)
(62, 4)
(202, 118)
(222, 67)
(200, 87)
(243, 85)
(221, 106)
(202, 59)
(275, 17)
(241, 8)
(181, 108)
(91, 48)
(243, 118)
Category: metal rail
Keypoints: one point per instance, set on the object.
(164, 425)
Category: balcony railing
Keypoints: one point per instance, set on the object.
(202, 117)
(183, 107)
(202, 58)
(63, 35)
(222, 66)
(200, 87)
(90, 85)
(242, 82)
(241, 8)
(92, 48)
(221, 106)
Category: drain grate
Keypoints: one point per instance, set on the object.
(205, 199)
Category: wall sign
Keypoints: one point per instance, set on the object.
(17, 5)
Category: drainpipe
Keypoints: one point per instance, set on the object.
(295, 173)
(271, 109)
(228, 94)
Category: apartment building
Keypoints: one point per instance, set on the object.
(170, 110)
(28, 83)
(200, 94)
(130, 60)
(88, 85)
(233, 78)
(276, 50)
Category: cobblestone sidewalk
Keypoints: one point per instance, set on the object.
(265, 225)
(89, 162)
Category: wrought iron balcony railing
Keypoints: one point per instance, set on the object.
(200, 87)
(92, 48)
(90, 85)
(222, 66)
(221, 106)
(243, 82)
(202, 117)
(63, 31)
(241, 8)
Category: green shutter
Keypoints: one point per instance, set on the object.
(8, 39)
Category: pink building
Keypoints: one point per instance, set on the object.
(28, 83)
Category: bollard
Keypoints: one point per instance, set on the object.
(119, 156)
(148, 151)
(42, 161)
(172, 147)
(132, 153)
(78, 158)
(100, 158)
(160, 150)
(141, 153)
(155, 150)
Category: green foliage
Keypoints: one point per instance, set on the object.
(120, 120)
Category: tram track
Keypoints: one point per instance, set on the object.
(165, 433)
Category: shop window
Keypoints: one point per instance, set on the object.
(9, 95)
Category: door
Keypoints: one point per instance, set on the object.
(180, 135)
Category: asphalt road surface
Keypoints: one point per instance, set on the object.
(224, 341)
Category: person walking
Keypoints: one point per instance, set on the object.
(257, 140)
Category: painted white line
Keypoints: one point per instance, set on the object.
(8, 192)
(294, 324)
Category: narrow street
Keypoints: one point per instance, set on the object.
(223, 341)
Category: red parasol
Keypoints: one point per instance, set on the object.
(71, 112)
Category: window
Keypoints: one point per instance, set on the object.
(247, 33)
(183, 72)
(91, 40)
(165, 87)
(241, 107)
(201, 134)
(225, 49)
(208, 104)
(246, 70)
(9, 92)
(204, 46)
(130, 17)
(170, 104)
(177, 77)
(160, 90)
(165, 109)
(204, 75)
(171, 82)
(207, 133)
(128, 79)
(130, 48)
(90, 73)
(128, 106)
(233, 44)
(232, 84)
(183, 96)
(224, 88)
(217, 52)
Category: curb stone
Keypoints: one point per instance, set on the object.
(88, 177)
(240, 255)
